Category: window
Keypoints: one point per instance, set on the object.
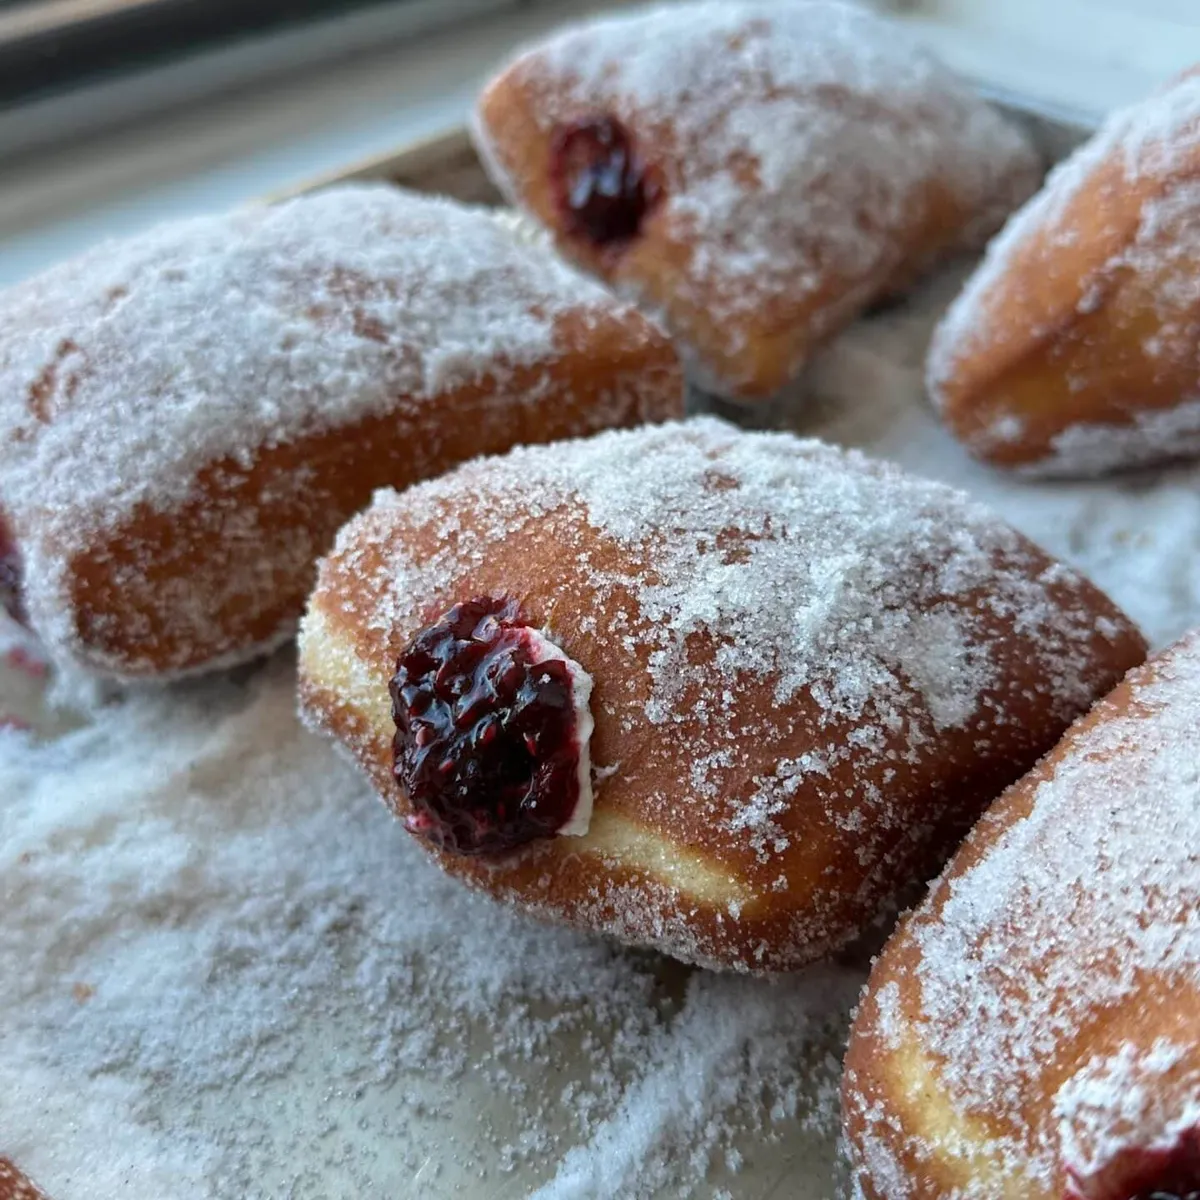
(48, 46)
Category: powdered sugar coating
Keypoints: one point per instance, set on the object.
(222, 979)
(1152, 145)
(1149, 139)
(265, 796)
(1151, 436)
(831, 579)
(1119, 1102)
(127, 370)
(188, 416)
(806, 655)
(1070, 943)
(805, 135)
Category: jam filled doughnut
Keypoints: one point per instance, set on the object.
(755, 683)
(1075, 347)
(1033, 1029)
(757, 173)
(187, 418)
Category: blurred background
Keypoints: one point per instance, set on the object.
(130, 56)
(114, 113)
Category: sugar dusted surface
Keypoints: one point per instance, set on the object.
(800, 97)
(809, 567)
(1124, 533)
(1155, 139)
(1065, 917)
(868, 390)
(1115, 1102)
(125, 371)
(873, 608)
(221, 981)
(315, 1069)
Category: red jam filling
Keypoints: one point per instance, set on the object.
(486, 744)
(10, 574)
(1167, 1173)
(603, 189)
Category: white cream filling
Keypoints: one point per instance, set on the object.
(543, 650)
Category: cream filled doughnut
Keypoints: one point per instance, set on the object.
(1033, 1028)
(804, 675)
(187, 417)
(756, 173)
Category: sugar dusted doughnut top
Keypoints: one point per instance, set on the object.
(762, 106)
(125, 371)
(1053, 976)
(807, 670)
(1125, 205)
(809, 566)
(1151, 141)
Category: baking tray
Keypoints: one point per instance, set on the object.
(324, 1123)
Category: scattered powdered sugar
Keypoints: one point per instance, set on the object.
(277, 991)
(888, 1177)
(805, 136)
(1154, 142)
(887, 1000)
(125, 371)
(225, 972)
(717, 1055)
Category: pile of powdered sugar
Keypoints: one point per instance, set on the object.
(226, 972)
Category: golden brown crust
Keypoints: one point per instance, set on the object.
(15, 1184)
(296, 496)
(745, 332)
(1074, 348)
(216, 570)
(666, 861)
(1104, 1044)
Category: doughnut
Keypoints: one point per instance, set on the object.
(1033, 1028)
(15, 1184)
(188, 417)
(756, 174)
(1074, 349)
(714, 692)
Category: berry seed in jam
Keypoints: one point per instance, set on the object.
(10, 574)
(1164, 1173)
(492, 726)
(601, 186)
